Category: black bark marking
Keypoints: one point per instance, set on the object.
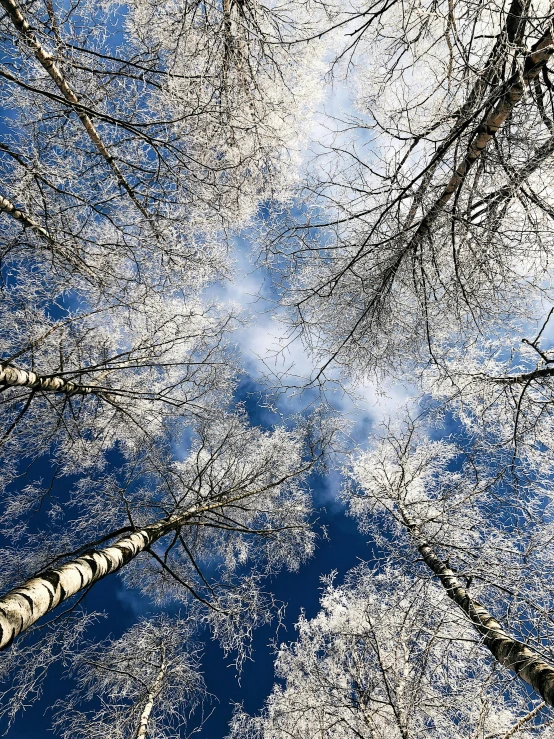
(92, 563)
(30, 601)
(51, 576)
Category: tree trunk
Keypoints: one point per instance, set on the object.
(7, 206)
(14, 377)
(514, 655)
(492, 122)
(511, 35)
(24, 605)
(535, 61)
(156, 688)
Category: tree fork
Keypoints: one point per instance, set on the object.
(514, 655)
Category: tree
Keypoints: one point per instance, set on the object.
(484, 547)
(130, 148)
(386, 658)
(439, 220)
(237, 496)
(148, 682)
(80, 378)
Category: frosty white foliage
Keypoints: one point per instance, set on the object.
(406, 469)
(145, 134)
(135, 140)
(243, 481)
(428, 215)
(385, 658)
(151, 675)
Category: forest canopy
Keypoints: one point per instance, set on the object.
(276, 299)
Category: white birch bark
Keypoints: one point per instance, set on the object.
(493, 121)
(156, 688)
(15, 377)
(6, 206)
(514, 655)
(24, 605)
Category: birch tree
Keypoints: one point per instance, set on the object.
(384, 658)
(140, 130)
(237, 499)
(148, 682)
(78, 379)
(457, 523)
(429, 212)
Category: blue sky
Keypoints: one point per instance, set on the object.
(342, 548)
